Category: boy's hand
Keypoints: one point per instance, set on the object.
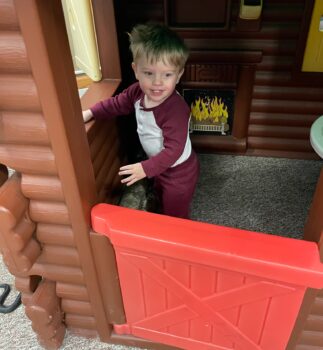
(135, 172)
(87, 115)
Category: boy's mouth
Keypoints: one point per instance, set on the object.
(156, 91)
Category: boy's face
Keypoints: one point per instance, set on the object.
(157, 80)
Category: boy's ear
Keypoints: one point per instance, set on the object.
(179, 75)
(134, 67)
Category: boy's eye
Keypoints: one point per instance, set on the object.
(169, 75)
(148, 73)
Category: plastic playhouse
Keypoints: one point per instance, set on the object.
(123, 275)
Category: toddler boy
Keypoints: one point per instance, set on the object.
(162, 115)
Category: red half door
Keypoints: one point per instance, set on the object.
(200, 287)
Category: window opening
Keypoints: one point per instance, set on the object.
(82, 40)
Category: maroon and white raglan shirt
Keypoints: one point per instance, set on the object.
(163, 130)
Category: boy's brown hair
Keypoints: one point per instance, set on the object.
(157, 42)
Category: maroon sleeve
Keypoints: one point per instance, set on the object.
(120, 104)
(173, 121)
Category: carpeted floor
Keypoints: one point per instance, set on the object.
(262, 194)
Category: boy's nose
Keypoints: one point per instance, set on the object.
(157, 80)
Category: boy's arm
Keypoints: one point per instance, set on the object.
(175, 132)
(121, 104)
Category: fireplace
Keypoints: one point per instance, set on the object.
(218, 87)
(211, 110)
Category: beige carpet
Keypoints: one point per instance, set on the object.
(16, 332)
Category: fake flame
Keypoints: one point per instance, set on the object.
(207, 109)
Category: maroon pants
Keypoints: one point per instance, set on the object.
(175, 187)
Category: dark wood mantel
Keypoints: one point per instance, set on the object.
(221, 70)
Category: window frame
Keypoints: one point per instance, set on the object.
(107, 41)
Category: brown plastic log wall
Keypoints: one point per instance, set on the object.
(106, 158)
(45, 206)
